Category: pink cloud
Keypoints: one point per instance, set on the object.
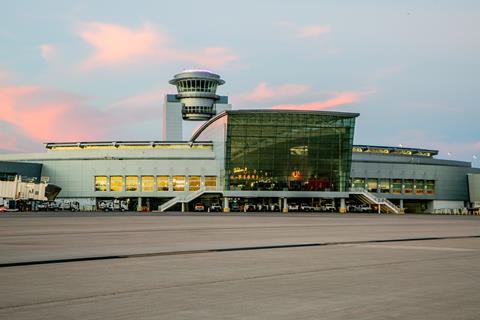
(43, 115)
(147, 98)
(47, 51)
(311, 31)
(35, 114)
(264, 92)
(116, 45)
(339, 99)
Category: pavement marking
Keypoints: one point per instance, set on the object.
(414, 247)
(267, 247)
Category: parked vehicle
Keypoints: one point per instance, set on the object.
(113, 205)
(275, 207)
(199, 207)
(71, 206)
(234, 207)
(215, 207)
(305, 207)
(293, 207)
(329, 208)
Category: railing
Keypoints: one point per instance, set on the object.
(376, 199)
(185, 198)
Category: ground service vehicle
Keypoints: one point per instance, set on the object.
(293, 207)
(215, 207)
(113, 205)
(305, 207)
(199, 207)
(329, 208)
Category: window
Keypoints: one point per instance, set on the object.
(372, 185)
(419, 186)
(210, 183)
(408, 186)
(178, 183)
(131, 183)
(430, 187)
(384, 185)
(358, 183)
(100, 183)
(147, 183)
(194, 183)
(116, 183)
(397, 186)
(162, 183)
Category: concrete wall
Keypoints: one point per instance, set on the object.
(474, 187)
(450, 176)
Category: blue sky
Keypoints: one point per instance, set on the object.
(98, 70)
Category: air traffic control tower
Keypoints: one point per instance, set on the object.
(196, 100)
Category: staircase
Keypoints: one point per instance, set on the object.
(370, 198)
(184, 197)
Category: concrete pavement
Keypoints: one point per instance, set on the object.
(434, 279)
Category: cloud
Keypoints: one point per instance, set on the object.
(115, 45)
(47, 51)
(263, 92)
(154, 97)
(311, 31)
(37, 114)
(338, 99)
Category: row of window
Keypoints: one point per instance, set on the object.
(197, 109)
(395, 186)
(154, 183)
(196, 86)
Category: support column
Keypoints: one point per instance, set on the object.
(280, 204)
(343, 209)
(226, 207)
(285, 205)
(184, 207)
(401, 203)
(139, 204)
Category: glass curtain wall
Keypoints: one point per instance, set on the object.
(288, 151)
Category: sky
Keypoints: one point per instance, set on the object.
(99, 70)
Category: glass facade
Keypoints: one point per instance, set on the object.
(288, 150)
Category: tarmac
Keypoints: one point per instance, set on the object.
(225, 266)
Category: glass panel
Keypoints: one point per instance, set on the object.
(100, 183)
(116, 183)
(147, 183)
(419, 186)
(178, 183)
(211, 183)
(430, 187)
(162, 183)
(397, 186)
(194, 183)
(372, 185)
(408, 186)
(131, 183)
(288, 151)
(384, 185)
(358, 183)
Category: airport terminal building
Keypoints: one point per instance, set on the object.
(255, 156)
